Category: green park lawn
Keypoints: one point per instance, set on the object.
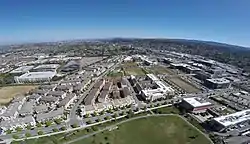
(152, 130)
(159, 70)
(134, 71)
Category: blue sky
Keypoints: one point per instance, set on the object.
(50, 20)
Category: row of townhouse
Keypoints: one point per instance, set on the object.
(116, 103)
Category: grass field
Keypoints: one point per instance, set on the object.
(153, 130)
(160, 130)
(134, 71)
(160, 70)
(7, 93)
(115, 74)
(186, 86)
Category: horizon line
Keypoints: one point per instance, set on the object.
(106, 38)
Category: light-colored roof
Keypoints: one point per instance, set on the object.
(197, 102)
(41, 108)
(12, 109)
(219, 80)
(38, 75)
(50, 115)
(22, 69)
(16, 121)
(27, 107)
(152, 77)
(52, 66)
(234, 118)
(66, 100)
(89, 108)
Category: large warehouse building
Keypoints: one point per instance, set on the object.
(32, 77)
(195, 104)
(238, 118)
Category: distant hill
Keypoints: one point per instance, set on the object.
(187, 41)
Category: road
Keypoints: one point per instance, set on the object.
(135, 118)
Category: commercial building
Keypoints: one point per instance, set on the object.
(195, 104)
(217, 83)
(231, 120)
(185, 67)
(159, 91)
(35, 77)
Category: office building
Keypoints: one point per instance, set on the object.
(195, 104)
(35, 77)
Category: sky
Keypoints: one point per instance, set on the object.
(225, 21)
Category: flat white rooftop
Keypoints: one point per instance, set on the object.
(152, 77)
(219, 80)
(22, 69)
(38, 75)
(234, 118)
(197, 102)
(53, 66)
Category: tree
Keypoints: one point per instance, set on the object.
(98, 120)
(115, 115)
(55, 130)
(28, 127)
(15, 136)
(95, 128)
(63, 128)
(89, 122)
(107, 118)
(58, 121)
(18, 129)
(122, 113)
(102, 112)
(28, 134)
(95, 114)
(48, 123)
(40, 132)
(8, 131)
(86, 115)
(88, 130)
(39, 125)
(74, 125)
(64, 118)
